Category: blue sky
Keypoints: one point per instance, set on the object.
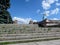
(26, 10)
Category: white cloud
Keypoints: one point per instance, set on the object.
(23, 20)
(54, 19)
(51, 12)
(51, 1)
(46, 4)
(57, 0)
(47, 13)
(34, 20)
(38, 11)
(58, 4)
(55, 11)
(27, 0)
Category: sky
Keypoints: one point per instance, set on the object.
(26, 10)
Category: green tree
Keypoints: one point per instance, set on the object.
(5, 17)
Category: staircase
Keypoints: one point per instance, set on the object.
(9, 32)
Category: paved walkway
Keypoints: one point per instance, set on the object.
(52, 42)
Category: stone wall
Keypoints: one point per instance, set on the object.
(29, 31)
(22, 28)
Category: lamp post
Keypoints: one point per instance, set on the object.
(44, 16)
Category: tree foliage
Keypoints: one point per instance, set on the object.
(4, 14)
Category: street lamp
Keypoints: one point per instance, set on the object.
(44, 16)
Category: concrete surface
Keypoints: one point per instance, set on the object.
(52, 42)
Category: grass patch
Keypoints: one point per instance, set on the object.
(5, 43)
